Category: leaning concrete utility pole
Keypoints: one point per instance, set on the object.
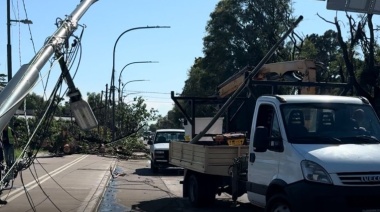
(24, 79)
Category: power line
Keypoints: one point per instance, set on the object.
(147, 92)
(30, 31)
(155, 97)
(147, 97)
(160, 102)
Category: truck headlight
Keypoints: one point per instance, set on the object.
(314, 172)
(159, 152)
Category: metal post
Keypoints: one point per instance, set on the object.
(9, 47)
(113, 72)
(122, 89)
(123, 70)
(106, 112)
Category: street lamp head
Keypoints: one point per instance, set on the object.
(148, 61)
(24, 21)
(139, 80)
(157, 26)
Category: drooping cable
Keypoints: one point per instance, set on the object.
(28, 197)
(51, 107)
(30, 30)
(43, 191)
(51, 177)
(26, 146)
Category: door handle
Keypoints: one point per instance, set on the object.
(252, 157)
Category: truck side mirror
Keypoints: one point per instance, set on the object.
(261, 139)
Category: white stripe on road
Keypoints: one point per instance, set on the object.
(19, 191)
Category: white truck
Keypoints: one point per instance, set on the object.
(159, 147)
(305, 152)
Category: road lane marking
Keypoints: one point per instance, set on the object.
(19, 191)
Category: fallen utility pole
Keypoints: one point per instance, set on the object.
(23, 81)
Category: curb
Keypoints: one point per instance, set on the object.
(102, 191)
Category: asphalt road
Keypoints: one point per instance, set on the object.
(69, 183)
(84, 183)
(136, 188)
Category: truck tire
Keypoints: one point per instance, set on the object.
(153, 167)
(278, 203)
(201, 191)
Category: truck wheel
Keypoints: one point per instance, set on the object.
(278, 203)
(201, 191)
(210, 192)
(153, 167)
(194, 191)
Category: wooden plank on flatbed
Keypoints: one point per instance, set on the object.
(213, 160)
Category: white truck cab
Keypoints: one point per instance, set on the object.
(159, 147)
(314, 153)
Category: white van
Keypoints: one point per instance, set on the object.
(314, 153)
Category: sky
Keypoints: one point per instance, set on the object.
(174, 49)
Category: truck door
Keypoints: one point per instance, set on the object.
(263, 166)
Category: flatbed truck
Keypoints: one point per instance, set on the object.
(301, 152)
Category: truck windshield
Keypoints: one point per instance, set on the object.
(167, 137)
(331, 123)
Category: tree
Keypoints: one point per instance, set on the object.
(325, 50)
(133, 117)
(171, 121)
(239, 33)
(33, 102)
(129, 118)
(358, 65)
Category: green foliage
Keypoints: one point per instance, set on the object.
(133, 144)
(239, 33)
(154, 127)
(33, 102)
(129, 118)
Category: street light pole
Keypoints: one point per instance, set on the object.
(113, 72)
(9, 46)
(122, 89)
(121, 103)
(129, 94)
(125, 67)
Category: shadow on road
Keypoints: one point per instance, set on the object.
(182, 204)
(161, 172)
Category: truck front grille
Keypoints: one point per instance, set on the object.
(360, 178)
(164, 155)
